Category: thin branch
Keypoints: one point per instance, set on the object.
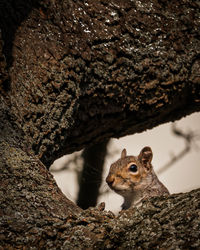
(66, 166)
(189, 138)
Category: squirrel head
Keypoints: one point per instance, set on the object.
(130, 173)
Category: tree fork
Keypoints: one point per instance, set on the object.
(74, 73)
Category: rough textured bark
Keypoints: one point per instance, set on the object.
(82, 71)
(31, 204)
(73, 73)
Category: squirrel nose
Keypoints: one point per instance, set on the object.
(110, 180)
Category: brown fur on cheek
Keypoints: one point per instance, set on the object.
(122, 174)
(135, 178)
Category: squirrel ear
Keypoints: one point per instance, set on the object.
(145, 157)
(123, 154)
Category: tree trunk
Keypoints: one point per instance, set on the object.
(75, 73)
(91, 175)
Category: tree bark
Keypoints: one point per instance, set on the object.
(30, 201)
(72, 74)
(82, 71)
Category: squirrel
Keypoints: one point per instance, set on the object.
(133, 178)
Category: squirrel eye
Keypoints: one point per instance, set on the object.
(133, 168)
